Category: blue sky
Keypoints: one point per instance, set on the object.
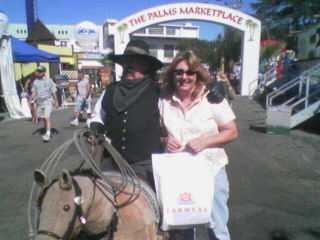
(75, 11)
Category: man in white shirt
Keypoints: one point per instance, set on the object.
(44, 94)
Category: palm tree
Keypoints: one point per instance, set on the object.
(252, 27)
(121, 30)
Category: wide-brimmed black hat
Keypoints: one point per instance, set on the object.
(137, 48)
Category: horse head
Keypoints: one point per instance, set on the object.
(74, 203)
(60, 205)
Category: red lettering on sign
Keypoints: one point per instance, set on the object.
(239, 20)
(173, 11)
(201, 11)
(161, 13)
(137, 20)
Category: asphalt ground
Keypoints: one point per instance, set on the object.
(274, 179)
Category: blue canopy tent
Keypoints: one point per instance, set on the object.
(23, 52)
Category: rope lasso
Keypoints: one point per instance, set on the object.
(80, 140)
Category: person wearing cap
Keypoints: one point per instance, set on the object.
(44, 94)
(127, 111)
(83, 99)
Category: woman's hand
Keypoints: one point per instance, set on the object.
(195, 145)
(172, 144)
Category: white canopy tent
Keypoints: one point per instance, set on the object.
(8, 82)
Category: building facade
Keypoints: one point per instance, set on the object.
(162, 38)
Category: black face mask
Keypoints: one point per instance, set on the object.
(127, 91)
(131, 65)
(128, 70)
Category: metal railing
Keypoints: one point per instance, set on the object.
(257, 86)
(298, 93)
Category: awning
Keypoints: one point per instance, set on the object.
(23, 52)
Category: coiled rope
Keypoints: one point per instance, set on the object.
(80, 140)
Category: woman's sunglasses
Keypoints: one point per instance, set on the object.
(180, 72)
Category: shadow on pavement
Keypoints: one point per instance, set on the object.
(42, 131)
(258, 128)
(257, 125)
(307, 234)
(311, 126)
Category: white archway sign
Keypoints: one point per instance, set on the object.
(250, 26)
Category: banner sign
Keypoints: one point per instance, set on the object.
(187, 11)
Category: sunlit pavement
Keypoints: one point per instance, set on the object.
(274, 179)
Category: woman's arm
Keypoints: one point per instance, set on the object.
(227, 133)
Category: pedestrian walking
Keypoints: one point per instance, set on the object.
(225, 86)
(44, 94)
(127, 111)
(31, 102)
(82, 99)
(195, 122)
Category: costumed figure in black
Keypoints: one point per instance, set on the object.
(127, 111)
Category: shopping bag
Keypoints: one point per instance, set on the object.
(185, 186)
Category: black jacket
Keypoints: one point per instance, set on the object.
(134, 132)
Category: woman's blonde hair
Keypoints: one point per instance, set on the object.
(194, 65)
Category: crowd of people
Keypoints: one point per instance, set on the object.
(141, 117)
(42, 97)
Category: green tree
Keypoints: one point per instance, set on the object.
(280, 17)
(204, 49)
(296, 14)
(231, 46)
(269, 51)
(227, 45)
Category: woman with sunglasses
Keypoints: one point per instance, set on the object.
(195, 122)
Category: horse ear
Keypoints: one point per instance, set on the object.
(65, 180)
(40, 178)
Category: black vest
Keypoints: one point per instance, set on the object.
(135, 132)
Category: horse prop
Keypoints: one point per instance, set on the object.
(81, 205)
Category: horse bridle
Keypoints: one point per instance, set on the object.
(78, 213)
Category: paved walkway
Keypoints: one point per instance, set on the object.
(274, 179)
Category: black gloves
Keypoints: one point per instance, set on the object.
(214, 95)
(97, 128)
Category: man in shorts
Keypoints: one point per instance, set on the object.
(83, 99)
(44, 94)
